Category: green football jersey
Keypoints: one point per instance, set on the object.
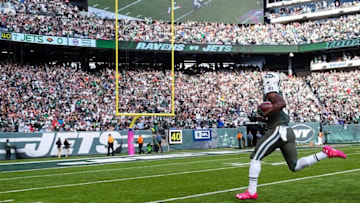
(279, 118)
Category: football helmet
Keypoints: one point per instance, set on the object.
(271, 82)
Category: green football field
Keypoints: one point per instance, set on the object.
(208, 176)
(237, 11)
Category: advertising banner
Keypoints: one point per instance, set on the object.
(197, 48)
(305, 132)
(79, 42)
(166, 47)
(33, 145)
(51, 40)
(202, 135)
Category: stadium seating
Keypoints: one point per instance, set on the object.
(62, 98)
(57, 18)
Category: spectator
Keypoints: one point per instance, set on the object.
(250, 138)
(57, 18)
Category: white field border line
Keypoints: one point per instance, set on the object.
(261, 185)
(64, 160)
(195, 154)
(124, 156)
(188, 13)
(8, 200)
(137, 161)
(127, 6)
(116, 169)
(64, 167)
(115, 180)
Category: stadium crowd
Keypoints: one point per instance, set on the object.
(59, 18)
(339, 93)
(58, 98)
(312, 8)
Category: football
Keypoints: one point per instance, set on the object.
(265, 106)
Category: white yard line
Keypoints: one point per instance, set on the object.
(117, 169)
(9, 200)
(188, 13)
(265, 184)
(127, 6)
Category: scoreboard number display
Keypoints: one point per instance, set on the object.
(175, 137)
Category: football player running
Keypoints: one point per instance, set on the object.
(279, 135)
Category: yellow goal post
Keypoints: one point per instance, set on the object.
(131, 149)
(137, 115)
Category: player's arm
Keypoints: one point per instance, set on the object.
(278, 103)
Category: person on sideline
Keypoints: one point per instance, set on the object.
(58, 143)
(140, 141)
(110, 144)
(8, 149)
(158, 139)
(239, 137)
(67, 147)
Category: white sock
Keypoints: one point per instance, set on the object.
(309, 160)
(169, 9)
(254, 171)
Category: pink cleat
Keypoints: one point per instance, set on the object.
(333, 152)
(246, 195)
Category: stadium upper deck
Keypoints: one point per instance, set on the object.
(61, 19)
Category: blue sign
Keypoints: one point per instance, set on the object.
(202, 135)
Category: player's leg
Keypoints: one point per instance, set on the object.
(267, 144)
(289, 151)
